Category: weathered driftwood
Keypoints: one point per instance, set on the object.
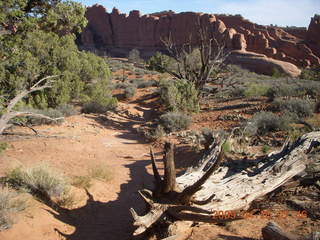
(197, 193)
(9, 112)
(273, 232)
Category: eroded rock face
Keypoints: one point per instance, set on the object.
(118, 33)
(313, 35)
(296, 47)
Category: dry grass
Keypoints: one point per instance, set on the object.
(81, 181)
(40, 180)
(10, 203)
(101, 172)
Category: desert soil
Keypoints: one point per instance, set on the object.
(85, 141)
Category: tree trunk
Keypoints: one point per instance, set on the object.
(202, 191)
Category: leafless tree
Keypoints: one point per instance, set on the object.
(8, 113)
(199, 63)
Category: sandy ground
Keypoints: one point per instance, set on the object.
(82, 142)
(85, 141)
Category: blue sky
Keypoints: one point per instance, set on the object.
(280, 12)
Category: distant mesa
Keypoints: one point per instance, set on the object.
(282, 48)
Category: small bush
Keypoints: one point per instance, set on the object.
(310, 88)
(121, 85)
(95, 107)
(179, 95)
(226, 147)
(140, 83)
(159, 62)
(52, 113)
(67, 110)
(40, 180)
(175, 121)
(155, 134)
(237, 92)
(265, 149)
(9, 204)
(81, 181)
(101, 172)
(129, 91)
(265, 122)
(98, 98)
(256, 90)
(134, 56)
(302, 108)
(283, 90)
(311, 74)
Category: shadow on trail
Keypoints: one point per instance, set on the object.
(224, 237)
(111, 220)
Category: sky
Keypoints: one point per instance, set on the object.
(279, 12)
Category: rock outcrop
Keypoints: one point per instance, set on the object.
(118, 33)
(260, 63)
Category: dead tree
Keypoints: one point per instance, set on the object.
(196, 62)
(196, 194)
(9, 113)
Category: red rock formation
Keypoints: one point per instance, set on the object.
(313, 35)
(119, 33)
(277, 43)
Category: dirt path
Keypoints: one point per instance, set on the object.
(85, 141)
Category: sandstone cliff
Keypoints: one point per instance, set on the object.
(118, 33)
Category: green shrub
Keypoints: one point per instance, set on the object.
(121, 85)
(52, 113)
(276, 73)
(236, 92)
(41, 180)
(265, 122)
(311, 74)
(299, 88)
(175, 121)
(141, 83)
(255, 90)
(310, 88)
(179, 95)
(99, 98)
(158, 62)
(265, 149)
(67, 110)
(9, 204)
(95, 107)
(129, 91)
(283, 90)
(302, 108)
(226, 147)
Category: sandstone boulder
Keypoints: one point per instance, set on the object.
(260, 63)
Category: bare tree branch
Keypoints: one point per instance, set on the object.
(198, 71)
(10, 114)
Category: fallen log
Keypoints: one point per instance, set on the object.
(209, 187)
